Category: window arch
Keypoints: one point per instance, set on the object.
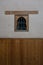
(21, 23)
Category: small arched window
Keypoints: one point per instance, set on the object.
(21, 23)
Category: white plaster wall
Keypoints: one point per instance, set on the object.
(35, 21)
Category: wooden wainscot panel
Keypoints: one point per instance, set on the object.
(21, 51)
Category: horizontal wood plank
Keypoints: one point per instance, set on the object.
(20, 12)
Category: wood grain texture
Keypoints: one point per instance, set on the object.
(21, 51)
(20, 12)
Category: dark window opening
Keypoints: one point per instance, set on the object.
(21, 23)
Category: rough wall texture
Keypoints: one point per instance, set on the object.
(35, 21)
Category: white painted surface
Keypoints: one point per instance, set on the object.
(35, 21)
